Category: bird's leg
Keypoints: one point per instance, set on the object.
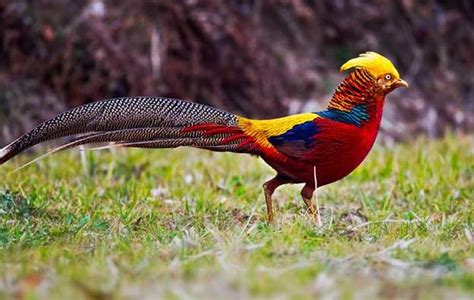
(307, 194)
(268, 188)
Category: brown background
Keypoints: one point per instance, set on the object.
(256, 58)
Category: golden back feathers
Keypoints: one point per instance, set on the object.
(373, 62)
(261, 130)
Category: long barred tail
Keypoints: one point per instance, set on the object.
(147, 122)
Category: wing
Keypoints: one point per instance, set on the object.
(287, 136)
(299, 141)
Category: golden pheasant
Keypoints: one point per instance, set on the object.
(315, 148)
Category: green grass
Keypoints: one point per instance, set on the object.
(188, 223)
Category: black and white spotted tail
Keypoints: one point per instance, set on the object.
(138, 121)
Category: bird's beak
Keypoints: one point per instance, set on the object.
(402, 82)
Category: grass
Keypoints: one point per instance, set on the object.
(186, 223)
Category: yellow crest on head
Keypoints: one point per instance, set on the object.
(373, 62)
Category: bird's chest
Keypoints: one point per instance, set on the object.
(340, 155)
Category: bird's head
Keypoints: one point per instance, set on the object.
(385, 74)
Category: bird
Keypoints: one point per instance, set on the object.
(312, 148)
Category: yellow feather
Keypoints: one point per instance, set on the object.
(261, 130)
(373, 62)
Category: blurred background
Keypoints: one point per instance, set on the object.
(260, 59)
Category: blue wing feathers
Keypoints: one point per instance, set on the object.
(303, 132)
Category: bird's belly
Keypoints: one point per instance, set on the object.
(333, 161)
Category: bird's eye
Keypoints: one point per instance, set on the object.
(388, 77)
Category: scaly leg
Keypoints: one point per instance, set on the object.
(307, 194)
(268, 188)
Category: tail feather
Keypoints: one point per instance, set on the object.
(4, 154)
(205, 143)
(154, 136)
(127, 135)
(154, 122)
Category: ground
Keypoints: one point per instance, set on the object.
(187, 223)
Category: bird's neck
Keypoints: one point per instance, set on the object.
(356, 101)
